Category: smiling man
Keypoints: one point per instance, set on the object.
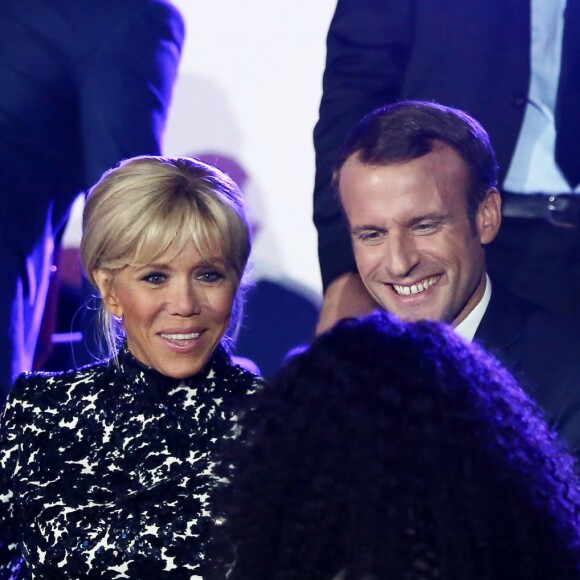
(418, 184)
(418, 251)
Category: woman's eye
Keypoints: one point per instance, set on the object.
(211, 276)
(154, 278)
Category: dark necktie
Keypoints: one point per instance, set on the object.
(568, 100)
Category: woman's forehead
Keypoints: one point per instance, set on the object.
(151, 253)
(166, 243)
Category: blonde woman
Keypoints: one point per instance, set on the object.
(105, 470)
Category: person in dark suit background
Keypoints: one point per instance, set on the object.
(418, 184)
(84, 85)
(514, 66)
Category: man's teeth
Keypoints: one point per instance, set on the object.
(415, 288)
(188, 336)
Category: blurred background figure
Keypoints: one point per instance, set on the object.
(85, 84)
(278, 316)
(515, 67)
(395, 450)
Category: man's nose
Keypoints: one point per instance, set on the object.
(401, 255)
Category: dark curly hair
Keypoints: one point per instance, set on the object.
(394, 450)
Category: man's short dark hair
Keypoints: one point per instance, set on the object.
(408, 130)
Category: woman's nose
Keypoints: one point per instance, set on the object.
(184, 299)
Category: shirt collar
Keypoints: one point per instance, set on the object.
(468, 327)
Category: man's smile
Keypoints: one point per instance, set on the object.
(416, 288)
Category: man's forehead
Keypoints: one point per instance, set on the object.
(442, 166)
(405, 193)
(442, 162)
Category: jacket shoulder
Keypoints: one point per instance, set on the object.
(49, 388)
(509, 319)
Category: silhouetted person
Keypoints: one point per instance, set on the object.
(395, 450)
(85, 84)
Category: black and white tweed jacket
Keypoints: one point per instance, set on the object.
(105, 472)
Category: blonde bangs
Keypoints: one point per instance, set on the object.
(172, 229)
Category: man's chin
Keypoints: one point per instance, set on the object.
(414, 315)
(411, 310)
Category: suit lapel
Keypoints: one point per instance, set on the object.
(501, 327)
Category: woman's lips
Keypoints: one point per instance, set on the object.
(180, 339)
(180, 336)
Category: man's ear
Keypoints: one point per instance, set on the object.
(488, 218)
(104, 281)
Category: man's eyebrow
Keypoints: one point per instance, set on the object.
(433, 216)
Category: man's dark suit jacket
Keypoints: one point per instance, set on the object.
(84, 85)
(470, 54)
(542, 350)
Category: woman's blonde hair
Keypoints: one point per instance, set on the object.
(146, 204)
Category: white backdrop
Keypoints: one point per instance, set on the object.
(249, 87)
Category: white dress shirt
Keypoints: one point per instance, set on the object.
(533, 168)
